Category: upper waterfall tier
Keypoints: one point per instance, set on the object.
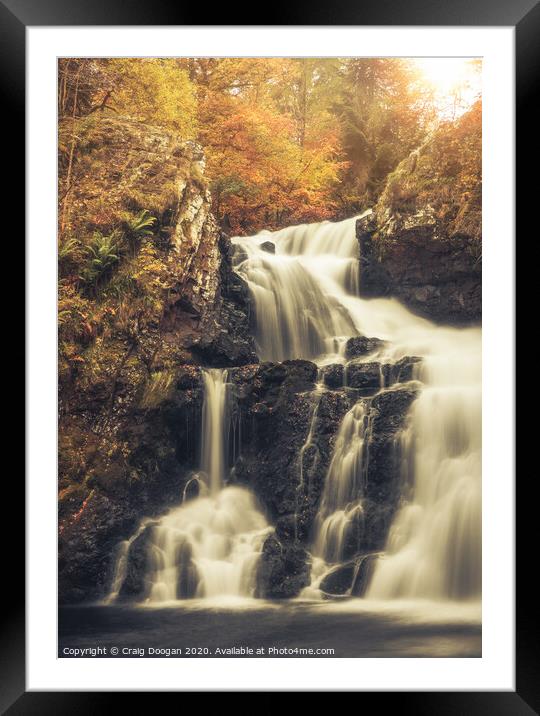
(303, 282)
(324, 239)
(297, 278)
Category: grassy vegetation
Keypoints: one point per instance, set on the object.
(446, 176)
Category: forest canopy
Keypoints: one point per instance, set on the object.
(286, 140)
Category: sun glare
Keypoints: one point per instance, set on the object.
(444, 73)
(450, 77)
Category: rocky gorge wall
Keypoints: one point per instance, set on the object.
(120, 456)
(422, 243)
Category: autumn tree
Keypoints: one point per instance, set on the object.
(286, 139)
(155, 91)
(271, 144)
(382, 119)
(150, 90)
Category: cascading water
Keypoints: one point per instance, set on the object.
(306, 305)
(341, 510)
(434, 548)
(296, 290)
(208, 546)
(306, 302)
(214, 426)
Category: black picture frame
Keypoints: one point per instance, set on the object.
(15, 16)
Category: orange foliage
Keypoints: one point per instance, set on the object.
(262, 175)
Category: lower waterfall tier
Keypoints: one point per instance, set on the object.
(209, 546)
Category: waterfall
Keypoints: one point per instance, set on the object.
(296, 290)
(208, 546)
(304, 287)
(214, 428)
(340, 511)
(434, 548)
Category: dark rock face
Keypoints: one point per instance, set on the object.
(333, 375)
(86, 544)
(362, 345)
(363, 376)
(136, 585)
(284, 569)
(268, 246)
(387, 415)
(278, 408)
(224, 339)
(159, 451)
(287, 471)
(435, 279)
(276, 405)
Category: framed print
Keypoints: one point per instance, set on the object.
(270, 355)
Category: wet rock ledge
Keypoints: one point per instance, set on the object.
(274, 406)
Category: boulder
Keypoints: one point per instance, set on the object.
(136, 582)
(401, 371)
(372, 376)
(366, 377)
(364, 572)
(188, 576)
(284, 569)
(332, 375)
(339, 580)
(362, 345)
(350, 578)
(268, 246)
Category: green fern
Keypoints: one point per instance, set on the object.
(69, 250)
(141, 226)
(103, 253)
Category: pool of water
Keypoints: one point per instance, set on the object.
(249, 628)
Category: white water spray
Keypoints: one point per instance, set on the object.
(208, 546)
